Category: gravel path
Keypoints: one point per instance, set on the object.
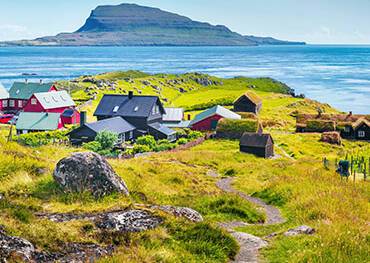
(249, 244)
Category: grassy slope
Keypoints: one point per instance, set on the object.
(307, 193)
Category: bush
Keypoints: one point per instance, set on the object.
(138, 148)
(107, 139)
(182, 141)
(93, 146)
(193, 135)
(147, 140)
(36, 139)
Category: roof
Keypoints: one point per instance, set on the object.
(116, 125)
(162, 128)
(359, 122)
(173, 114)
(39, 121)
(181, 124)
(216, 110)
(68, 113)
(24, 91)
(121, 105)
(253, 97)
(256, 140)
(4, 94)
(55, 99)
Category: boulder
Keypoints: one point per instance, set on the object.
(185, 212)
(15, 248)
(128, 221)
(301, 230)
(88, 172)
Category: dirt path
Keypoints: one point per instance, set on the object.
(249, 244)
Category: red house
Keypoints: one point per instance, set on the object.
(21, 92)
(208, 119)
(54, 102)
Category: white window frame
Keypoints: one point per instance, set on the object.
(131, 135)
(33, 101)
(5, 103)
(361, 134)
(20, 104)
(347, 129)
(11, 103)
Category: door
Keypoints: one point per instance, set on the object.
(214, 124)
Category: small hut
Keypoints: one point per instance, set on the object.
(248, 102)
(259, 144)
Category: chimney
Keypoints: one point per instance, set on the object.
(130, 94)
(82, 118)
(350, 113)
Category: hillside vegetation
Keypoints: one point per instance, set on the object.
(297, 182)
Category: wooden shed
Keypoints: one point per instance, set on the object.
(248, 102)
(259, 144)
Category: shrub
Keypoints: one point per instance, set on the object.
(193, 135)
(107, 139)
(36, 139)
(147, 140)
(138, 148)
(164, 147)
(182, 141)
(93, 146)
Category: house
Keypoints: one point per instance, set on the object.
(350, 126)
(57, 102)
(208, 119)
(145, 113)
(21, 92)
(88, 131)
(359, 130)
(4, 95)
(248, 102)
(174, 118)
(38, 121)
(259, 144)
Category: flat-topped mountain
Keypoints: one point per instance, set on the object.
(134, 25)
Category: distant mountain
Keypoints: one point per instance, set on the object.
(134, 25)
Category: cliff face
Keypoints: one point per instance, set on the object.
(134, 25)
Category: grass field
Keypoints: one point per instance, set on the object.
(305, 191)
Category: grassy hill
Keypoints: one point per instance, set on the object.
(297, 182)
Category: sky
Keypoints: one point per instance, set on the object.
(313, 21)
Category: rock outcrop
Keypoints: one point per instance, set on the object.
(185, 212)
(15, 248)
(301, 230)
(88, 172)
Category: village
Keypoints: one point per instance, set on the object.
(134, 156)
(41, 107)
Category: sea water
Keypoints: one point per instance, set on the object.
(338, 75)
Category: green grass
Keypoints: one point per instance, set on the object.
(300, 186)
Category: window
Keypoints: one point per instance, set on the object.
(20, 104)
(33, 101)
(11, 103)
(136, 109)
(347, 129)
(361, 134)
(131, 135)
(5, 103)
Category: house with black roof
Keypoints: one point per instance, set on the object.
(259, 144)
(145, 113)
(88, 131)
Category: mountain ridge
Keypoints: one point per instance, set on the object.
(135, 25)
